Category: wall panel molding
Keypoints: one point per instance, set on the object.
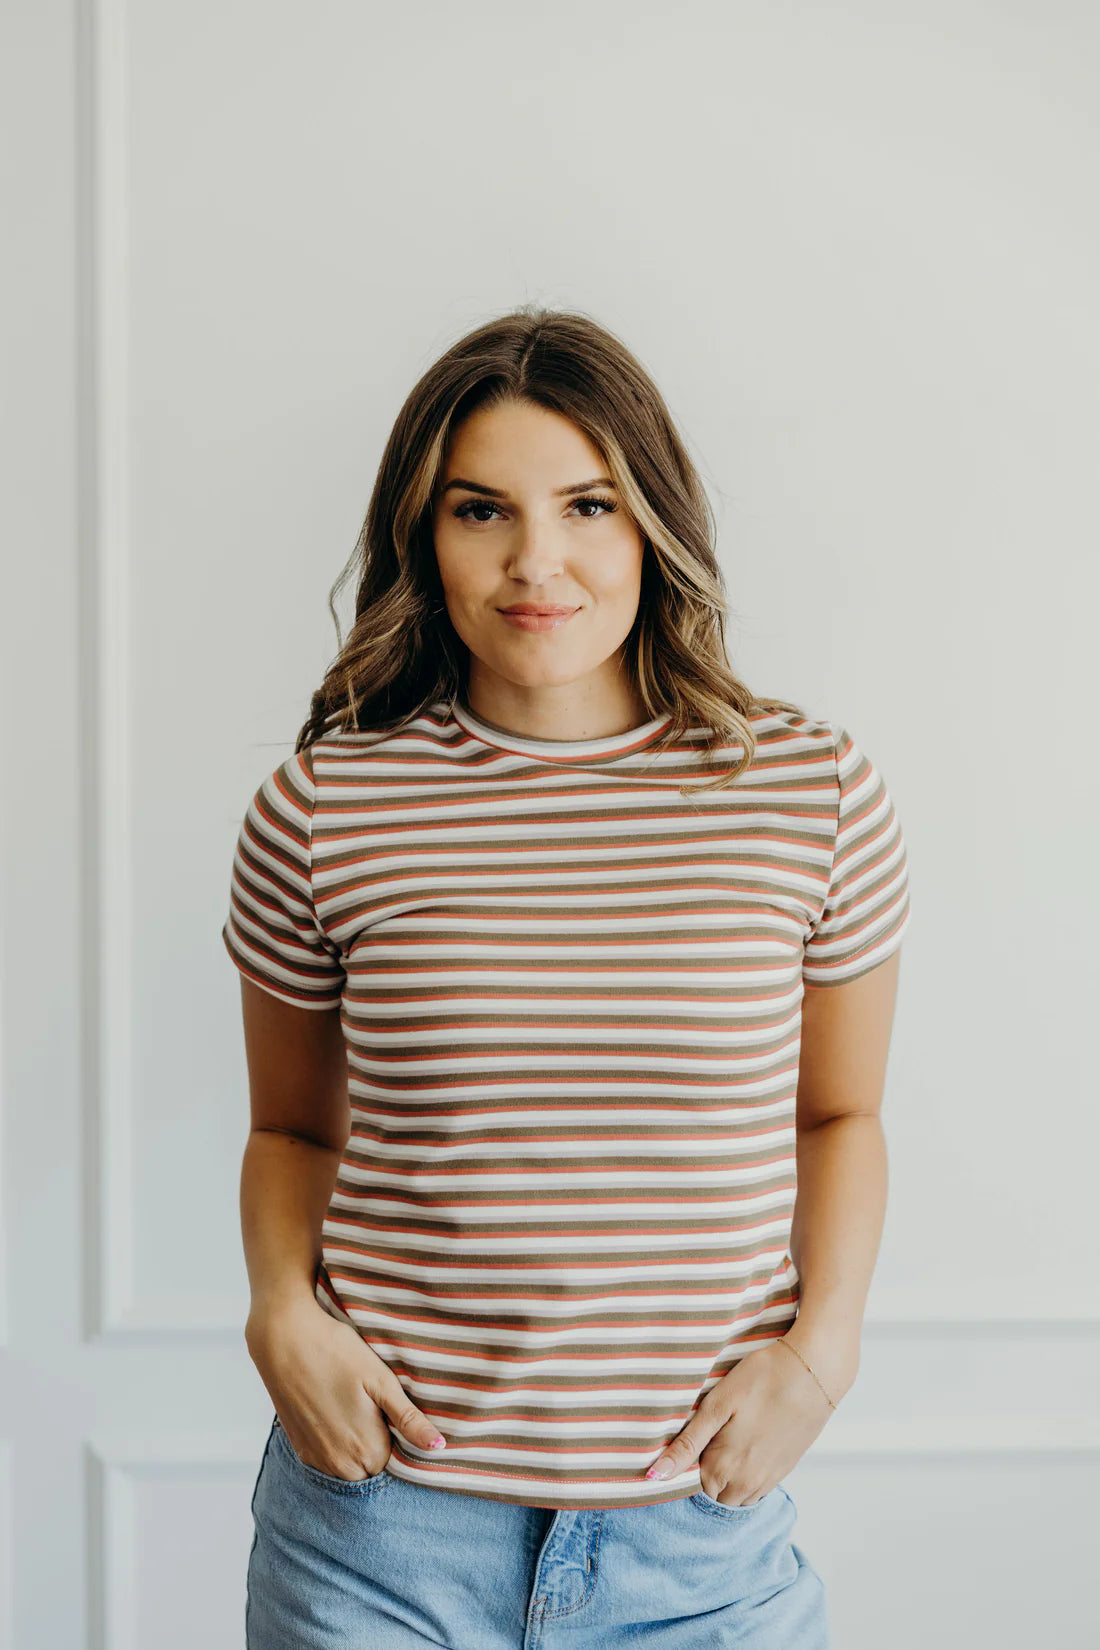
(114, 1310)
(115, 1469)
(7, 1548)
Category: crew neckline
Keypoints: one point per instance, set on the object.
(569, 751)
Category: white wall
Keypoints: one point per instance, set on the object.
(857, 247)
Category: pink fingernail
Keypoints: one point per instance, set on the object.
(659, 1469)
(438, 1443)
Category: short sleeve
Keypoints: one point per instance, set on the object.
(272, 932)
(866, 908)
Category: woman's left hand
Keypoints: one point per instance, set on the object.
(751, 1428)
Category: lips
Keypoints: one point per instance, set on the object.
(534, 616)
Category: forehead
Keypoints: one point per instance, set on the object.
(518, 442)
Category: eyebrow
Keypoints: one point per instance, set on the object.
(499, 492)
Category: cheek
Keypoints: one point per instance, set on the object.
(617, 579)
(459, 575)
(622, 558)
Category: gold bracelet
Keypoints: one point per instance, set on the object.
(802, 1360)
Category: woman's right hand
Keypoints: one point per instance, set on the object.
(331, 1392)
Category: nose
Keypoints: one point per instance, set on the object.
(534, 554)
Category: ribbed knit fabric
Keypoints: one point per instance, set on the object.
(571, 1001)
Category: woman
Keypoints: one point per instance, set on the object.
(560, 952)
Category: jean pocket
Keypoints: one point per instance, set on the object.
(719, 1509)
(328, 1480)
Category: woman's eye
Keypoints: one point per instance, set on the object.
(473, 504)
(602, 506)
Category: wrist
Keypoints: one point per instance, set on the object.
(270, 1316)
(832, 1357)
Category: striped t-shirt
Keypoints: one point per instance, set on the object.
(571, 1001)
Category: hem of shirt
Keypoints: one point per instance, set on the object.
(602, 1496)
(464, 1479)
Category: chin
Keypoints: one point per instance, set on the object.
(546, 675)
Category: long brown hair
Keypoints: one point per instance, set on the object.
(402, 653)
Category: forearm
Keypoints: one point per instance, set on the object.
(286, 1186)
(835, 1235)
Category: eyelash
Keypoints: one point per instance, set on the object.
(609, 506)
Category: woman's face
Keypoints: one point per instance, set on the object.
(526, 514)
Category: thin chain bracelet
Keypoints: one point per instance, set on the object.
(802, 1361)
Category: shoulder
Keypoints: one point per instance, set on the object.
(429, 732)
(788, 735)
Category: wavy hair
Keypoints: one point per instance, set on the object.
(402, 653)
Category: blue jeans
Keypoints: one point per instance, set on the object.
(384, 1564)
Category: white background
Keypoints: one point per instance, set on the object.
(857, 247)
